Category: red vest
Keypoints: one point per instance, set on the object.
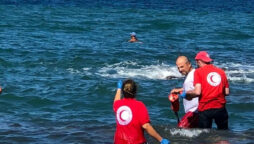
(213, 82)
(130, 116)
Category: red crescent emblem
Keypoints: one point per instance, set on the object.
(121, 115)
(124, 115)
(211, 78)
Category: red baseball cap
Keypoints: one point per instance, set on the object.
(204, 56)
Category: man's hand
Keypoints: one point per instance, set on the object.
(176, 90)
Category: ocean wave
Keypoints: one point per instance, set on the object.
(84, 70)
(134, 70)
(235, 72)
(188, 132)
(238, 72)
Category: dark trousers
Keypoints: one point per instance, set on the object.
(205, 118)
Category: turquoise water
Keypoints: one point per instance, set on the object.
(60, 63)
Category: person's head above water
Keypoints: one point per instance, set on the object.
(133, 37)
(129, 89)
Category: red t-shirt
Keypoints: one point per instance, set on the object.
(130, 116)
(213, 82)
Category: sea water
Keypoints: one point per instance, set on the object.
(60, 62)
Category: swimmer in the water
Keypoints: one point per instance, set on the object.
(133, 37)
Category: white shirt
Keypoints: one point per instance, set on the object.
(190, 105)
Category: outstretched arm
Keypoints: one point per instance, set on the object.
(152, 132)
(118, 95)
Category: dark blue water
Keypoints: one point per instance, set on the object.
(60, 62)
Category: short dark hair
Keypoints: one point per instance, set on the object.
(129, 89)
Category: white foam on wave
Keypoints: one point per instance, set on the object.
(239, 72)
(235, 72)
(83, 71)
(188, 132)
(134, 70)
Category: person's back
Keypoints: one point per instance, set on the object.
(131, 115)
(211, 86)
(213, 82)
